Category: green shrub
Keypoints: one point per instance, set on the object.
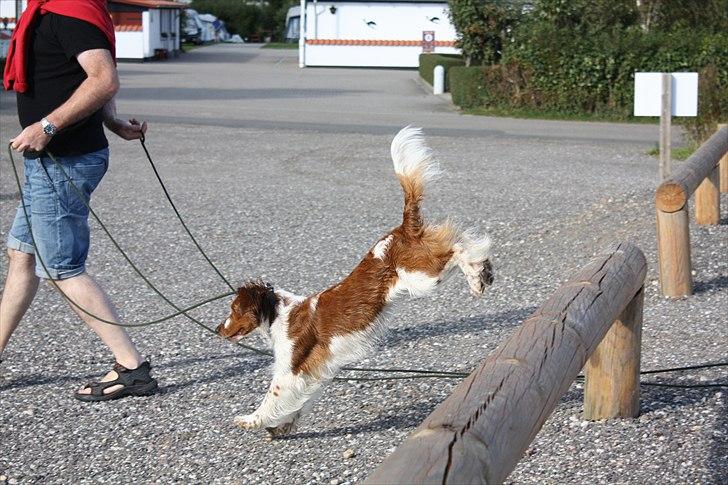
(429, 61)
(467, 86)
(594, 74)
(578, 57)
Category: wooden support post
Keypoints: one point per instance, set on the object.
(665, 122)
(723, 167)
(707, 199)
(612, 387)
(673, 245)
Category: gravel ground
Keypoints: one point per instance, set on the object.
(290, 180)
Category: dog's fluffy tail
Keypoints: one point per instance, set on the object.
(414, 166)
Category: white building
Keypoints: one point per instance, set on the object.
(372, 33)
(146, 29)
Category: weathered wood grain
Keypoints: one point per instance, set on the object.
(707, 199)
(665, 127)
(673, 248)
(478, 434)
(612, 387)
(673, 194)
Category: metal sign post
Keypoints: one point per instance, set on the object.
(665, 126)
(665, 95)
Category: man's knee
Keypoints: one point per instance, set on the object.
(21, 259)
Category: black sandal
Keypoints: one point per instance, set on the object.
(136, 382)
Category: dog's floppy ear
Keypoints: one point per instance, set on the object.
(260, 299)
(268, 309)
(254, 304)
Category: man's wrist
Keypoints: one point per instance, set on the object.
(111, 122)
(49, 128)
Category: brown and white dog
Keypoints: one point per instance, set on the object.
(314, 336)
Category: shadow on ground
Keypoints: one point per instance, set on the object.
(479, 323)
(718, 456)
(402, 418)
(717, 283)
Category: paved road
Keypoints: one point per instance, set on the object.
(284, 174)
(253, 88)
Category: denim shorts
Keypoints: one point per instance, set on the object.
(58, 216)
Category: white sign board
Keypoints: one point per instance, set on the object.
(648, 93)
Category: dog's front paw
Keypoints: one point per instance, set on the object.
(249, 421)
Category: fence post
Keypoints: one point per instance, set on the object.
(673, 246)
(707, 199)
(723, 164)
(612, 387)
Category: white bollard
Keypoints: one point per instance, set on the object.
(438, 80)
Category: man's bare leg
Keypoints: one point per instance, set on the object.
(87, 293)
(21, 285)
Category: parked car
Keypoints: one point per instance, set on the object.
(192, 29)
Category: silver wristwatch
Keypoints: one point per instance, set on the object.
(48, 127)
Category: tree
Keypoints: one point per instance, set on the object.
(239, 17)
(484, 27)
(665, 15)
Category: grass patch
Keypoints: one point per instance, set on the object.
(189, 46)
(280, 45)
(679, 153)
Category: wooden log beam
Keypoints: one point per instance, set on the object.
(723, 167)
(673, 193)
(478, 434)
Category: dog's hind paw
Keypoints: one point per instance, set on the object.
(249, 421)
(480, 277)
(486, 275)
(281, 430)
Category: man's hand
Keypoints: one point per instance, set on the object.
(31, 138)
(128, 130)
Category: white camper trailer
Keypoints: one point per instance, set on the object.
(146, 29)
(192, 28)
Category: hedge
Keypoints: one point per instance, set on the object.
(429, 61)
(596, 75)
(467, 86)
